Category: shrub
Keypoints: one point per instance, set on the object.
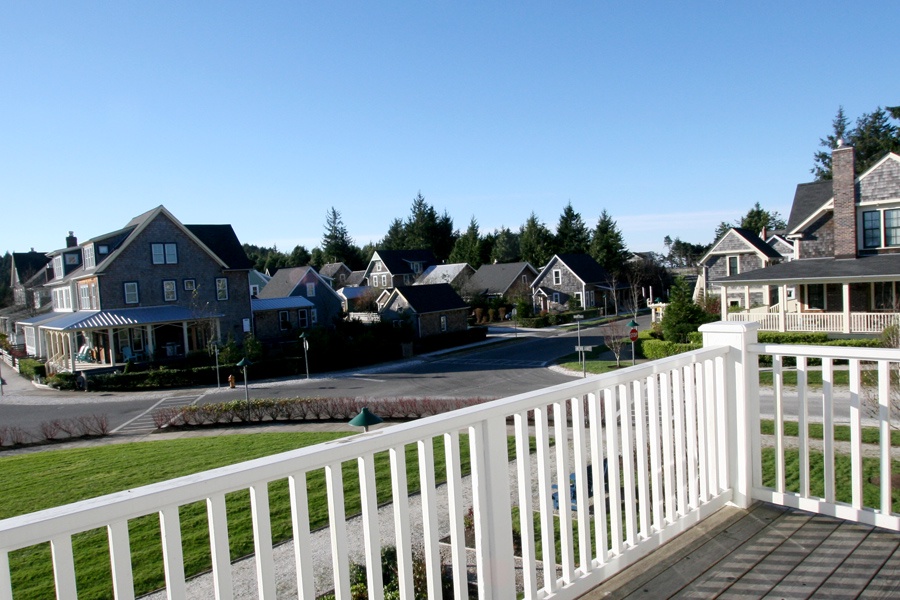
(62, 381)
(656, 349)
(32, 368)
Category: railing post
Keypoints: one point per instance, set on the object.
(741, 402)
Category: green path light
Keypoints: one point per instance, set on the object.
(365, 419)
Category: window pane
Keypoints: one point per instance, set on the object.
(169, 290)
(892, 228)
(221, 288)
(158, 256)
(171, 254)
(872, 229)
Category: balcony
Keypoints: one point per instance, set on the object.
(682, 454)
(827, 322)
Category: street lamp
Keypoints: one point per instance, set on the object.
(305, 350)
(365, 419)
(580, 348)
(215, 348)
(633, 335)
(244, 363)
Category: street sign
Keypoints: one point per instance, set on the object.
(633, 335)
(584, 348)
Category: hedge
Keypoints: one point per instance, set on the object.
(31, 368)
(656, 349)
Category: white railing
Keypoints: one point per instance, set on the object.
(867, 391)
(661, 445)
(872, 322)
(767, 321)
(658, 427)
(827, 322)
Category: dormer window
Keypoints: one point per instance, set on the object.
(102, 249)
(58, 267)
(89, 260)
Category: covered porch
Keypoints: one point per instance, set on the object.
(86, 340)
(639, 460)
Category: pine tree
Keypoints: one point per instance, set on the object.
(337, 245)
(872, 136)
(506, 246)
(572, 236)
(535, 242)
(467, 248)
(608, 245)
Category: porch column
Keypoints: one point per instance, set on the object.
(723, 302)
(184, 336)
(72, 349)
(846, 288)
(111, 349)
(741, 443)
(746, 297)
(149, 343)
(782, 306)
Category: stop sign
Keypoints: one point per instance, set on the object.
(633, 335)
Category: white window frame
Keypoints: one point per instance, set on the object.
(302, 320)
(310, 290)
(170, 290)
(383, 281)
(254, 290)
(164, 253)
(737, 259)
(443, 322)
(557, 277)
(190, 285)
(313, 316)
(378, 266)
(132, 291)
(221, 288)
(89, 260)
(58, 267)
(556, 297)
(84, 295)
(284, 320)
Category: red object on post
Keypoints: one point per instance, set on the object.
(633, 335)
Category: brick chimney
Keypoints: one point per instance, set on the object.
(843, 167)
(71, 240)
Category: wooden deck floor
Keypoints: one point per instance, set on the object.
(767, 551)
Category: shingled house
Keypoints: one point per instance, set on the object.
(390, 268)
(431, 309)
(846, 268)
(739, 250)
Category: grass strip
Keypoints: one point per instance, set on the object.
(816, 431)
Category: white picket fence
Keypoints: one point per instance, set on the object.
(828, 322)
(679, 437)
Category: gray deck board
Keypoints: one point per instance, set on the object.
(766, 551)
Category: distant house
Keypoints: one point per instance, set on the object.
(355, 279)
(577, 277)
(501, 280)
(280, 318)
(358, 298)
(391, 268)
(307, 283)
(456, 274)
(28, 274)
(336, 273)
(739, 250)
(258, 281)
(153, 289)
(431, 309)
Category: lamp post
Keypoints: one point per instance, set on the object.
(215, 348)
(365, 419)
(578, 319)
(633, 336)
(244, 363)
(305, 350)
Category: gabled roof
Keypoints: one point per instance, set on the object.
(222, 240)
(398, 261)
(332, 269)
(583, 266)
(423, 299)
(752, 240)
(496, 279)
(442, 273)
(257, 278)
(355, 278)
(285, 281)
(26, 265)
(810, 199)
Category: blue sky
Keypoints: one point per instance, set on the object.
(673, 116)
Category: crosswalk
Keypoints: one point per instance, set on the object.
(144, 423)
(494, 362)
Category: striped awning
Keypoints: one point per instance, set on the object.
(123, 317)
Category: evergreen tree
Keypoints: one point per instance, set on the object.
(755, 220)
(299, 257)
(572, 234)
(535, 242)
(873, 136)
(682, 315)
(608, 245)
(395, 238)
(467, 248)
(337, 245)
(506, 246)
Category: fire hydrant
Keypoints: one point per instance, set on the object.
(231, 381)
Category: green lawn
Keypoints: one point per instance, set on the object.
(870, 435)
(45, 479)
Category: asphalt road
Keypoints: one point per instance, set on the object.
(509, 366)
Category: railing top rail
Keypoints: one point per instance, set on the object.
(836, 352)
(33, 528)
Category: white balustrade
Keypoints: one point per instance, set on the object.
(647, 452)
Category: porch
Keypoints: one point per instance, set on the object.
(680, 437)
(827, 322)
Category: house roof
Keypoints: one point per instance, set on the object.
(584, 267)
(258, 278)
(441, 273)
(332, 269)
(263, 304)
(809, 199)
(27, 264)
(752, 239)
(436, 297)
(496, 279)
(355, 278)
(284, 282)
(823, 270)
(397, 261)
(353, 292)
(121, 317)
(222, 240)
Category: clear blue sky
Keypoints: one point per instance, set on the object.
(673, 116)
